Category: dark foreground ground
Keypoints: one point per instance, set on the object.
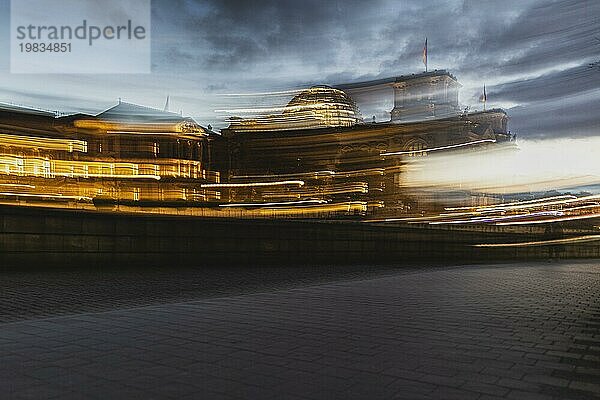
(519, 331)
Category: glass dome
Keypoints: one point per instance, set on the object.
(324, 106)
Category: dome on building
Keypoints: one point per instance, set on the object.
(313, 108)
(325, 106)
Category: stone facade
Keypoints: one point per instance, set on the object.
(425, 96)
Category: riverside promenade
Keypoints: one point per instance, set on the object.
(513, 331)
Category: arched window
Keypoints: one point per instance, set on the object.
(417, 148)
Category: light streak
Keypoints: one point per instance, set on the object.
(252, 184)
(354, 187)
(119, 176)
(21, 185)
(494, 219)
(549, 242)
(452, 146)
(544, 221)
(514, 203)
(284, 92)
(286, 203)
(302, 174)
(541, 204)
(320, 174)
(287, 108)
(38, 142)
(50, 196)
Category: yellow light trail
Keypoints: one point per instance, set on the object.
(319, 174)
(119, 176)
(302, 174)
(549, 242)
(68, 145)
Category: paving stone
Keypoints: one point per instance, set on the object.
(516, 331)
(522, 395)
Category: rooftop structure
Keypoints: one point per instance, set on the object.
(129, 117)
(316, 107)
(427, 95)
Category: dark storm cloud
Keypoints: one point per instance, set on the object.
(567, 117)
(236, 34)
(555, 85)
(385, 38)
(531, 54)
(544, 35)
(557, 40)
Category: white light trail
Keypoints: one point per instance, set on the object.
(283, 203)
(533, 166)
(252, 184)
(50, 196)
(452, 146)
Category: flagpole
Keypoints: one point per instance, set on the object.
(484, 98)
(425, 55)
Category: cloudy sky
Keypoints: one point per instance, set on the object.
(533, 56)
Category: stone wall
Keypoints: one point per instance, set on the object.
(40, 237)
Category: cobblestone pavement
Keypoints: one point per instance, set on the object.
(44, 293)
(527, 331)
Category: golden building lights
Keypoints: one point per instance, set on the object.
(42, 143)
(313, 157)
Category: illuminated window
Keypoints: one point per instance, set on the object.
(46, 168)
(155, 149)
(136, 194)
(20, 165)
(416, 148)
